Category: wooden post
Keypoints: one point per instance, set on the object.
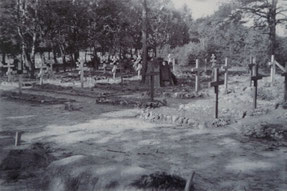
(17, 138)
(226, 67)
(255, 77)
(152, 82)
(82, 73)
(285, 83)
(250, 66)
(42, 74)
(216, 83)
(197, 72)
(20, 83)
(272, 70)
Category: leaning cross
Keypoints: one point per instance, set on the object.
(285, 86)
(9, 70)
(196, 71)
(255, 77)
(225, 68)
(216, 83)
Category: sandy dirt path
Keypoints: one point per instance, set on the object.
(222, 158)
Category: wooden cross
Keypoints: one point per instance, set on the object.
(152, 74)
(255, 77)
(225, 68)
(81, 68)
(285, 83)
(42, 72)
(216, 83)
(9, 70)
(197, 72)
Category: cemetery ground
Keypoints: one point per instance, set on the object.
(111, 137)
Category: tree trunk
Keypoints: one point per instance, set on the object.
(3, 58)
(144, 40)
(272, 27)
(32, 56)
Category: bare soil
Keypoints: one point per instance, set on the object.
(108, 147)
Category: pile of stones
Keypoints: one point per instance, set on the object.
(171, 119)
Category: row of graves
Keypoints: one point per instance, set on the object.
(160, 73)
(155, 73)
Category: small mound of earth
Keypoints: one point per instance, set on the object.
(34, 98)
(25, 163)
(51, 87)
(272, 132)
(160, 181)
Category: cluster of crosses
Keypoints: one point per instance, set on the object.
(255, 76)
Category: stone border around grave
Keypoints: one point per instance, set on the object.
(171, 119)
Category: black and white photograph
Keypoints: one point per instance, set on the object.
(143, 95)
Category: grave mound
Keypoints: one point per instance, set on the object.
(25, 163)
(270, 132)
(160, 181)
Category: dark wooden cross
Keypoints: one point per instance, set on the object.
(285, 83)
(197, 72)
(255, 77)
(250, 66)
(225, 68)
(216, 83)
(152, 74)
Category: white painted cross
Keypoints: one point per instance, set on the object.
(9, 67)
(225, 68)
(197, 72)
(43, 69)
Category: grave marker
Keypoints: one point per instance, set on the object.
(152, 74)
(250, 66)
(284, 74)
(9, 67)
(225, 68)
(81, 69)
(216, 83)
(255, 77)
(17, 138)
(42, 72)
(20, 83)
(197, 72)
